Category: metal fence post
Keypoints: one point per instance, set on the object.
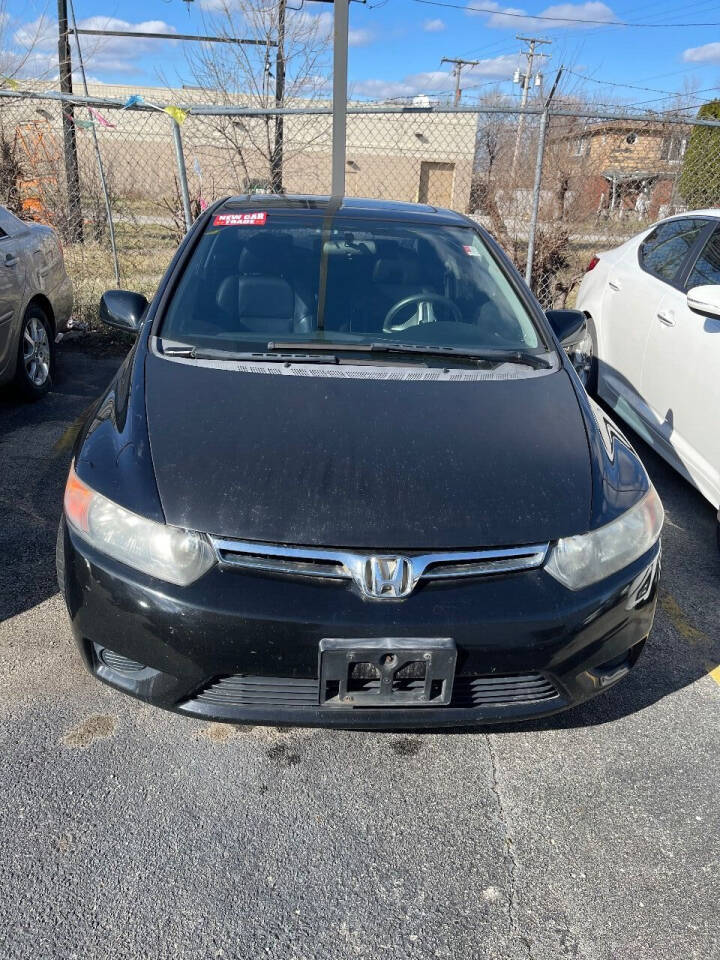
(101, 169)
(182, 172)
(536, 195)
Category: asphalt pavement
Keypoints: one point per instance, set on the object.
(128, 832)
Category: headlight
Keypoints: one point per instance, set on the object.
(168, 553)
(579, 561)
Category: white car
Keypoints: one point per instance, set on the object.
(653, 308)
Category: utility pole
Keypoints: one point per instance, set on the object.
(276, 160)
(537, 186)
(458, 64)
(72, 175)
(525, 78)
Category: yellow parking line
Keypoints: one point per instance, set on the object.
(67, 438)
(687, 631)
(681, 623)
(715, 674)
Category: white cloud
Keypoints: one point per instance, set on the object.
(563, 15)
(436, 81)
(707, 53)
(434, 26)
(220, 6)
(119, 54)
(360, 38)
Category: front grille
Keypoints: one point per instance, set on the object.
(338, 564)
(468, 692)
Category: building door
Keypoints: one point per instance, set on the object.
(436, 183)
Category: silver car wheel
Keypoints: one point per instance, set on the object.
(36, 351)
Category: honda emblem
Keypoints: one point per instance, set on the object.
(387, 578)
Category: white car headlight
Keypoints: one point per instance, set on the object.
(579, 561)
(168, 553)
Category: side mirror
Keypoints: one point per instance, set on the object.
(705, 300)
(569, 326)
(123, 309)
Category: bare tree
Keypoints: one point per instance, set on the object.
(292, 46)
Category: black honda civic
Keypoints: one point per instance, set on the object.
(347, 476)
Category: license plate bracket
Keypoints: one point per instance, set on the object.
(386, 672)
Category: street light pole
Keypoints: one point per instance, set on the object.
(339, 124)
(72, 175)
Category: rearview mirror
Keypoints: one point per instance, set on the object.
(705, 300)
(123, 309)
(569, 326)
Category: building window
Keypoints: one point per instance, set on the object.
(581, 147)
(672, 148)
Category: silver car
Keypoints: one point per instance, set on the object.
(36, 299)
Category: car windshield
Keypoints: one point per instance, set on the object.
(261, 279)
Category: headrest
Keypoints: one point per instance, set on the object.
(264, 252)
(396, 272)
(387, 249)
(265, 297)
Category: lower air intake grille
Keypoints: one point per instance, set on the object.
(497, 690)
(261, 692)
(468, 692)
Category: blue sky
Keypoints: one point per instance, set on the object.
(397, 45)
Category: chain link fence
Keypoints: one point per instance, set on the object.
(555, 185)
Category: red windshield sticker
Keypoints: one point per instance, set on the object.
(471, 251)
(256, 219)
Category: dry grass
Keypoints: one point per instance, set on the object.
(144, 251)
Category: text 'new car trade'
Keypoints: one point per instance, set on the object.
(347, 476)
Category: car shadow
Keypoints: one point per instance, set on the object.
(35, 448)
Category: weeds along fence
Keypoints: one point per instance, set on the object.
(552, 185)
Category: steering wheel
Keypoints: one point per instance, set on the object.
(419, 298)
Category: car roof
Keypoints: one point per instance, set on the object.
(708, 212)
(360, 208)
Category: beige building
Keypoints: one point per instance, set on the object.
(413, 156)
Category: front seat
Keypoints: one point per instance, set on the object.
(256, 301)
(261, 304)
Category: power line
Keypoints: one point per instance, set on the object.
(657, 99)
(629, 86)
(530, 16)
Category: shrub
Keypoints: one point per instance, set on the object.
(700, 176)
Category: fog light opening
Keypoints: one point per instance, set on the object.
(117, 662)
(615, 669)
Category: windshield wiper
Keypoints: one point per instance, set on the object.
(489, 355)
(210, 353)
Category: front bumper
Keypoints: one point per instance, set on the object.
(244, 646)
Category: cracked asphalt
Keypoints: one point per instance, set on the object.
(127, 832)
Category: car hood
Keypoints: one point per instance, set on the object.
(367, 463)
